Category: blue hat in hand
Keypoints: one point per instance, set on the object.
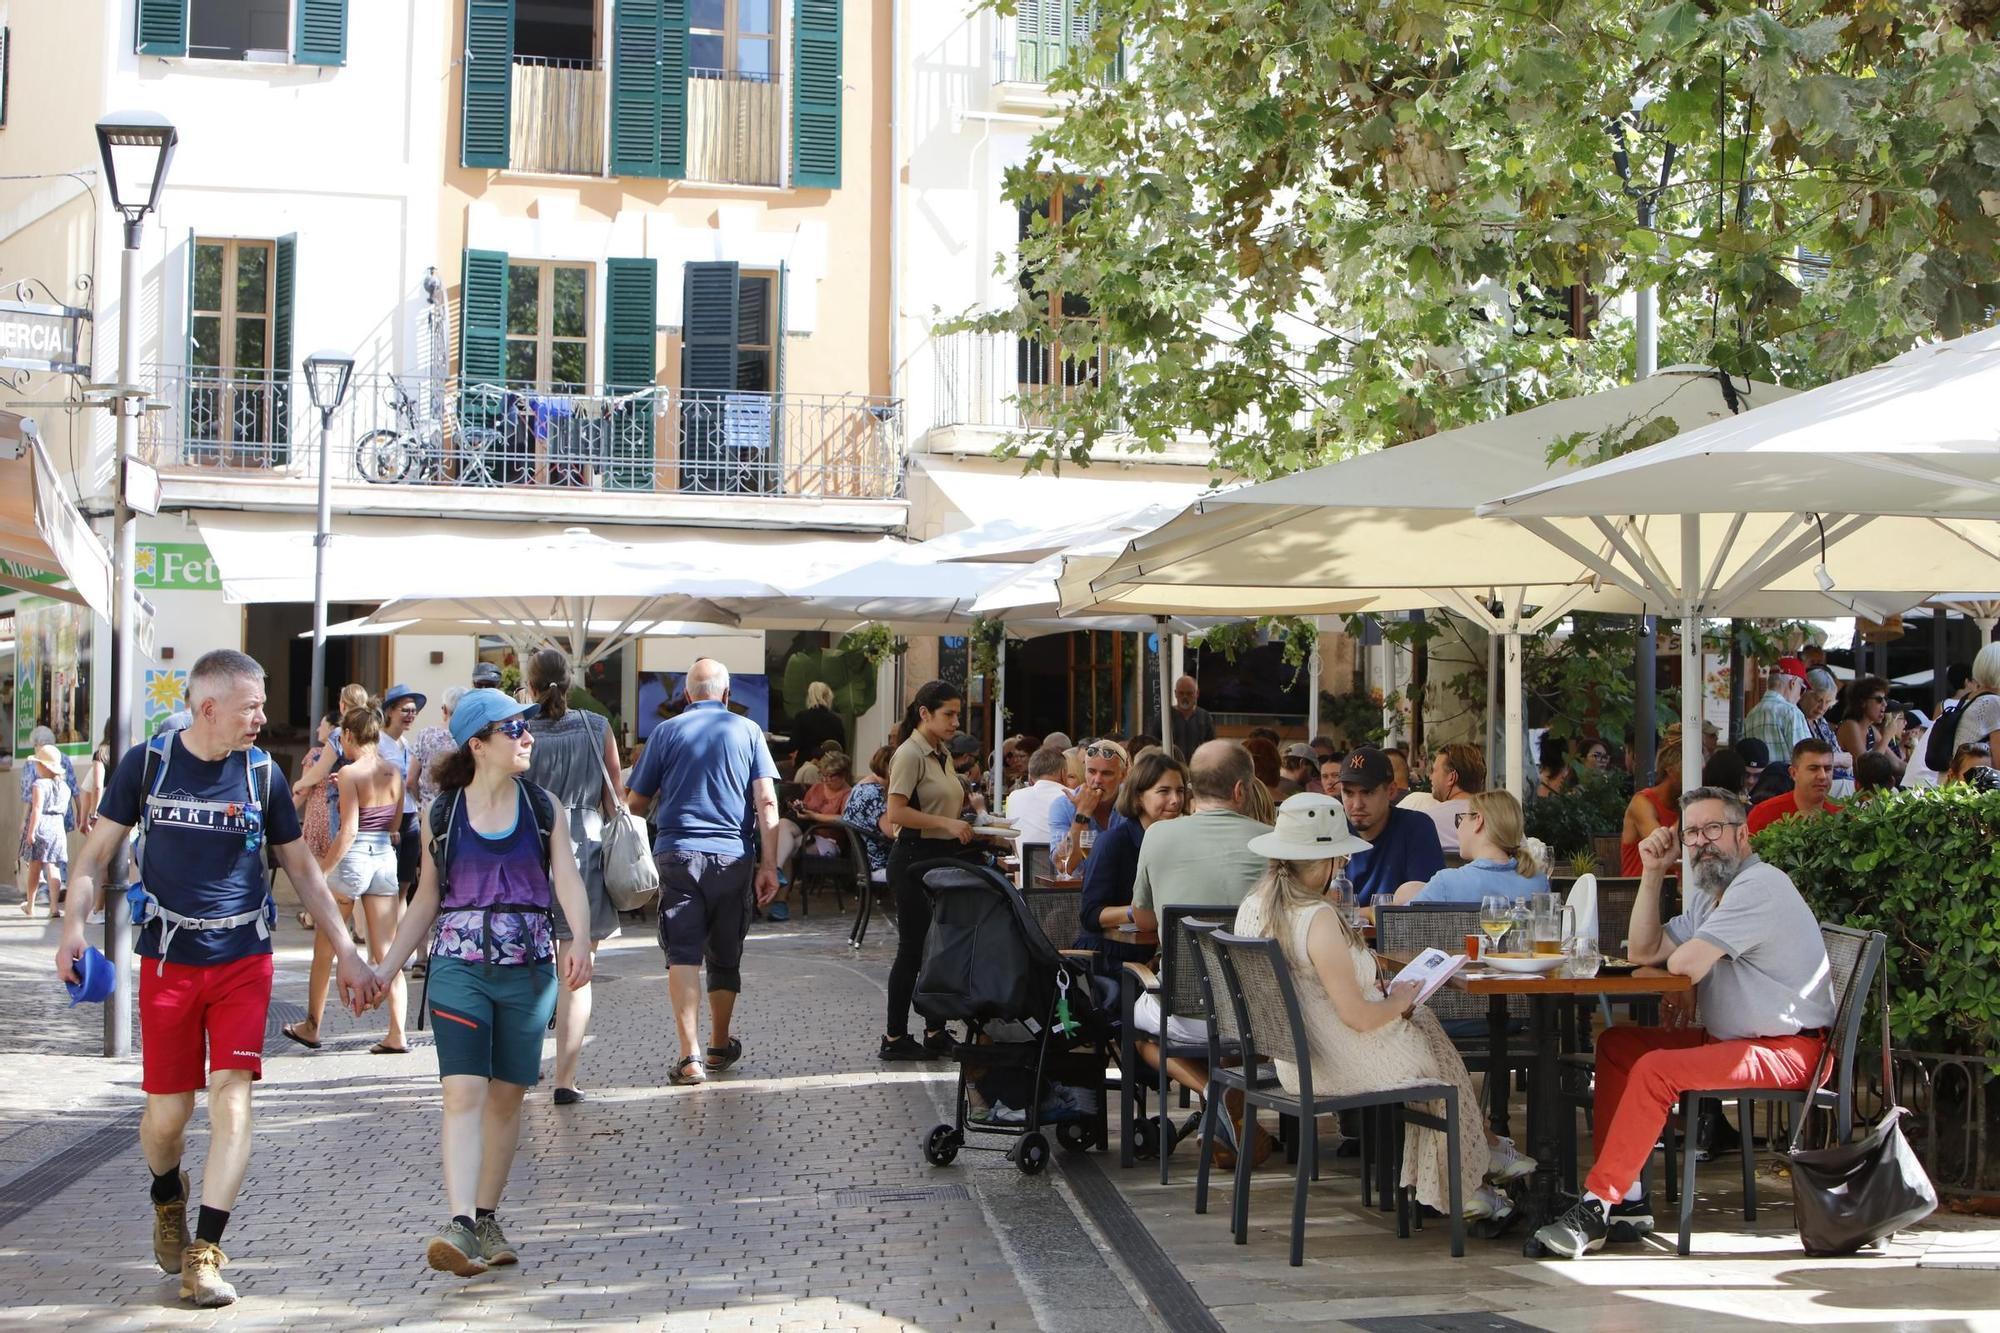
(99, 979)
(477, 710)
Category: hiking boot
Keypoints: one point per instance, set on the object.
(170, 1230)
(1629, 1219)
(201, 1276)
(493, 1246)
(454, 1249)
(1577, 1232)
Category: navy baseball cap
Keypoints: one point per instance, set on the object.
(477, 710)
(485, 673)
(1366, 768)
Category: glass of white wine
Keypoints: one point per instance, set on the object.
(1494, 919)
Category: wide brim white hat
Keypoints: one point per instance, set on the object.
(1311, 827)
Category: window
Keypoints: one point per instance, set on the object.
(1040, 361)
(756, 331)
(729, 378)
(239, 347)
(733, 38)
(548, 325)
(240, 29)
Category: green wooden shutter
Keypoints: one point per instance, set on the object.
(482, 318)
(649, 42)
(816, 93)
(191, 402)
(631, 336)
(1035, 47)
(163, 28)
(320, 32)
(284, 285)
(489, 83)
(708, 374)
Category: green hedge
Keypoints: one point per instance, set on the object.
(1594, 807)
(1923, 867)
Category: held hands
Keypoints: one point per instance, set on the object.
(361, 986)
(576, 965)
(1660, 849)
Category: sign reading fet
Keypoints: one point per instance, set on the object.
(175, 566)
(41, 337)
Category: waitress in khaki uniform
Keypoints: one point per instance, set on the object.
(925, 801)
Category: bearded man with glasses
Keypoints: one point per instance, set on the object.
(1762, 1002)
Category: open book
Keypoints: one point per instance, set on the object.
(1432, 968)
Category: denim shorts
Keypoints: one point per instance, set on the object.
(368, 869)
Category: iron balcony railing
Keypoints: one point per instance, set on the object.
(396, 430)
(558, 116)
(735, 133)
(1001, 380)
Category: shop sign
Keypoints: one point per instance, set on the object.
(176, 567)
(37, 336)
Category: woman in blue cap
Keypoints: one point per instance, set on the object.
(496, 863)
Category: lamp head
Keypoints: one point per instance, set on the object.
(136, 147)
(327, 376)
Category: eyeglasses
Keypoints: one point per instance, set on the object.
(1461, 816)
(1878, 698)
(513, 728)
(1700, 833)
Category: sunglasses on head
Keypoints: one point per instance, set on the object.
(1103, 750)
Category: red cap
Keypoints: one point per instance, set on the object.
(1792, 666)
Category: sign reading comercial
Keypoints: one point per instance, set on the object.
(36, 336)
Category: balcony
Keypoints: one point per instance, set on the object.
(397, 432)
(558, 116)
(735, 129)
(1027, 51)
(1000, 381)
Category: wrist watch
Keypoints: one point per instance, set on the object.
(1081, 819)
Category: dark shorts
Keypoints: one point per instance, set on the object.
(489, 1020)
(409, 855)
(705, 900)
(194, 1021)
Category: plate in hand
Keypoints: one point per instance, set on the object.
(1527, 963)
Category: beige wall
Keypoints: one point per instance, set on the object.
(839, 237)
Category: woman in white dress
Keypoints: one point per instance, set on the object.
(1365, 1037)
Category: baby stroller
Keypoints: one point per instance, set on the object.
(1036, 1043)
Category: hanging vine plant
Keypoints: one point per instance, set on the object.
(984, 642)
(876, 643)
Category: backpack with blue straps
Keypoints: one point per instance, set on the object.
(146, 909)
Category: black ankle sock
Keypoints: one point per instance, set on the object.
(209, 1225)
(483, 1213)
(462, 1220)
(167, 1187)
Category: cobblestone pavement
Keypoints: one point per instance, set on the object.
(790, 1194)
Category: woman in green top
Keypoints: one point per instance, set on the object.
(925, 802)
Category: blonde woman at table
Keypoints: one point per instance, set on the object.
(1366, 1038)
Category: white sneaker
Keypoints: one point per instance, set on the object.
(1487, 1202)
(1506, 1163)
(95, 919)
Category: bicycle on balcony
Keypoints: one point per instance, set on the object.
(429, 438)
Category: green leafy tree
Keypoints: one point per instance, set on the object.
(1318, 226)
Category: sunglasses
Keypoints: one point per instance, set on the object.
(1104, 750)
(513, 728)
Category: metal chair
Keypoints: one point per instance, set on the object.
(1056, 911)
(1259, 984)
(1178, 989)
(1414, 927)
(1225, 1038)
(1036, 859)
(866, 887)
(1844, 947)
(837, 869)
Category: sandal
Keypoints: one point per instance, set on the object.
(720, 1058)
(688, 1072)
(384, 1048)
(287, 1029)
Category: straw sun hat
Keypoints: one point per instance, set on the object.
(50, 758)
(1311, 827)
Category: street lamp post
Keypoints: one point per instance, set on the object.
(327, 374)
(137, 147)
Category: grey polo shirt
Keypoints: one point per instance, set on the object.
(1774, 979)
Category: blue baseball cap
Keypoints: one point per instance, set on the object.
(98, 979)
(477, 710)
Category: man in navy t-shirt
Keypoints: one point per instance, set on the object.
(205, 987)
(1403, 844)
(703, 777)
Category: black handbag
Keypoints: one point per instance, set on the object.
(1854, 1194)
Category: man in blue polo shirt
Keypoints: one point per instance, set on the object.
(702, 774)
(1403, 844)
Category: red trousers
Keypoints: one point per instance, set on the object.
(1641, 1073)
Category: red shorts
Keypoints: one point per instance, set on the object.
(195, 1020)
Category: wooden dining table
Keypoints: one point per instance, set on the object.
(1546, 994)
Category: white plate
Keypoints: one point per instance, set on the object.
(1531, 966)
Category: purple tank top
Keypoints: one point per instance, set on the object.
(378, 818)
(496, 907)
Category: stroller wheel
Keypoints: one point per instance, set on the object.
(1032, 1155)
(941, 1145)
(1076, 1135)
(1146, 1137)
